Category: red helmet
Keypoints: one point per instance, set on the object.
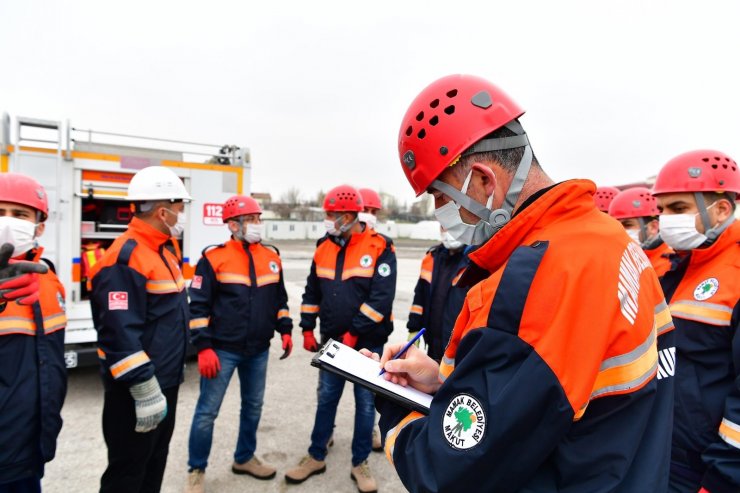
(698, 171)
(240, 205)
(445, 119)
(24, 190)
(633, 202)
(604, 196)
(370, 198)
(343, 198)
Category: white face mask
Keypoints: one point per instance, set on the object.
(331, 227)
(634, 235)
(19, 233)
(368, 219)
(469, 234)
(254, 232)
(449, 242)
(679, 231)
(178, 228)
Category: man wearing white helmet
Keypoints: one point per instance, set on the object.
(140, 310)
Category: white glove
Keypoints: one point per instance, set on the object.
(151, 405)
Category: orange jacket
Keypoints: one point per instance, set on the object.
(140, 308)
(550, 375)
(703, 292)
(660, 258)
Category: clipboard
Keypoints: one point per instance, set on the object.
(344, 361)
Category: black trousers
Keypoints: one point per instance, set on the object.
(136, 461)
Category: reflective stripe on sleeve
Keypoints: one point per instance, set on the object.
(627, 372)
(426, 275)
(55, 322)
(128, 364)
(101, 354)
(417, 309)
(309, 308)
(283, 313)
(663, 319)
(730, 432)
(371, 313)
(390, 438)
(699, 311)
(199, 323)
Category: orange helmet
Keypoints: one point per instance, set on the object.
(370, 198)
(633, 202)
(604, 196)
(344, 198)
(445, 119)
(698, 171)
(24, 190)
(240, 205)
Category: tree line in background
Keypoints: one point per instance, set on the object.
(291, 205)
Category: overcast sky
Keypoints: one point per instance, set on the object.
(317, 89)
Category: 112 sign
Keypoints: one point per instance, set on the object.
(212, 214)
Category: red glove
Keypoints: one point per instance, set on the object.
(208, 363)
(287, 345)
(349, 340)
(309, 341)
(703, 490)
(24, 289)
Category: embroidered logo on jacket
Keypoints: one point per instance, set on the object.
(631, 266)
(366, 261)
(274, 267)
(384, 270)
(118, 300)
(464, 422)
(197, 282)
(706, 289)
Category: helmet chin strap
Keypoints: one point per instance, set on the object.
(496, 219)
(712, 233)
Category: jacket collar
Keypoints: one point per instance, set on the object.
(147, 235)
(565, 200)
(728, 238)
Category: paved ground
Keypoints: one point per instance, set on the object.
(287, 416)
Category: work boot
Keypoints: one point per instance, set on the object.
(307, 467)
(196, 481)
(365, 481)
(377, 445)
(255, 468)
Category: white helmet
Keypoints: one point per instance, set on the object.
(156, 183)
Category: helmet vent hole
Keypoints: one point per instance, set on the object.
(705, 159)
(450, 109)
(714, 166)
(451, 94)
(434, 103)
(716, 158)
(420, 116)
(409, 131)
(434, 120)
(724, 166)
(422, 133)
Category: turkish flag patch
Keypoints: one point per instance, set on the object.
(197, 282)
(118, 300)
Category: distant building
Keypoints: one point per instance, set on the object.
(263, 199)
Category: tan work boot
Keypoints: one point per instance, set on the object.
(255, 468)
(377, 445)
(196, 482)
(307, 467)
(364, 479)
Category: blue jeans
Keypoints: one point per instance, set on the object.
(252, 371)
(330, 391)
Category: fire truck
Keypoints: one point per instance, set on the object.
(86, 174)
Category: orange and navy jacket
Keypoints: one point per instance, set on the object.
(33, 379)
(549, 381)
(238, 298)
(703, 293)
(140, 309)
(351, 288)
(660, 258)
(438, 264)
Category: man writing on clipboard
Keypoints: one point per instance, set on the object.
(351, 288)
(549, 380)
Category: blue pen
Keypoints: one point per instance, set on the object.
(405, 348)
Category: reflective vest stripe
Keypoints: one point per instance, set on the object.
(324, 272)
(698, 311)
(164, 287)
(628, 371)
(358, 272)
(232, 278)
(267, 279)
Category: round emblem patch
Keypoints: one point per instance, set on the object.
(384, 270)
(464, 422)
(274, 267)
(366, 261)
(706, 289)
